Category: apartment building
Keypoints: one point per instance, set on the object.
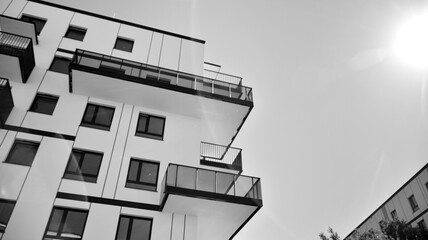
(408, 203)
(114, 130)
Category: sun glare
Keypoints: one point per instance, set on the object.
(411, 44)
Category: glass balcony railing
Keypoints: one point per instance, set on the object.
(152, 75)
(221, 156)
(203, 182)
(21, 47)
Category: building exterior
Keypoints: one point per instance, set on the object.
(114, 130)
(409, 203)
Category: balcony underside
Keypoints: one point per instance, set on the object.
(221, 118)
(216, 219)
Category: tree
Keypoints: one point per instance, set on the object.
(400, 230)
(370, 234)
(333, 235)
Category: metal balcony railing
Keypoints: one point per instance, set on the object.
(221, 184)
(221, 156)
(21, 47)
(147, 74)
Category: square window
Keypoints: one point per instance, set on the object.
(66, 224)
(22, 153)
(394, 214)
(6, 208)
(44, 104)
(39, 23)
(130, 228)
(83, 166)
(75, 33)
(124, 44)
(60, 64)
(150, 126)
(413, 203)
(142, 175)
(97, 116)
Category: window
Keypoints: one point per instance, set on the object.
(150, 126)
(60, 64)
(142, 175)
(422, 224)
(413, 203)
(130, 228)
(124, 44)
(83, 165)
(22, 153)
(75, 33)
(6, 208)
(394, 214)
(38, 22)
(97, 116)
(44, 104)
(66, 224)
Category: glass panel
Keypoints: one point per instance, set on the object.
(60, 65)
(104, 116)
(90, 61)
(23, 153)
(186, 177)
(172, 174)
(225, 183)
(168, 77)
(236, 91)
(74, 224)
(221, 88)
(186, 81)
(206, 180)
(123, 228)
(6, 209)
(156, 126)
(140, 229)
(73, 162)
(204, 85)
(133, 170)
(91, 163)
(89, 113)
(149, 173)
(243, 185)
(142, 124)
(55, 221)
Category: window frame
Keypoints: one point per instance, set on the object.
(7, 201)
(140, 184)
(130, 226)
(81, 176)
(39, 23)
(122, 40)
(62, 223)
(145, 133)
(92, 123)
(78, 31)
(394, 215)
(46, 97)
(16, 142)
(54, 68)
(413, 203)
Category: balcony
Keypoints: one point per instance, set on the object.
(222, 105)
(16, 57)
(221, 156)
(18, 27)
(219, 200)
(6, 100)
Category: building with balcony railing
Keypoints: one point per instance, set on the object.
(115, 130)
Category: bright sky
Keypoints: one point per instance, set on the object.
(339, 124)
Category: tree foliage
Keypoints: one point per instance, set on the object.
(333, 235)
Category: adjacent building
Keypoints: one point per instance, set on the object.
(114, 130)
(409, 203)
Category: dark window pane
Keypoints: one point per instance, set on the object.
(89, 113)
(44, 104)
(55, 222)
(75, 33)
(91, 163)
(74, 224)
(140, 229)
(156, 126)
(104, 116)
(124, 44)
(122, 230)
(83, 166)
(60, 65)
(23, 153)
(38, 22)
(133, 170)
(149, 173)
(6, 209)
(142, 121)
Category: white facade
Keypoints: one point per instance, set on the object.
(190, 117)
(409, 203)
